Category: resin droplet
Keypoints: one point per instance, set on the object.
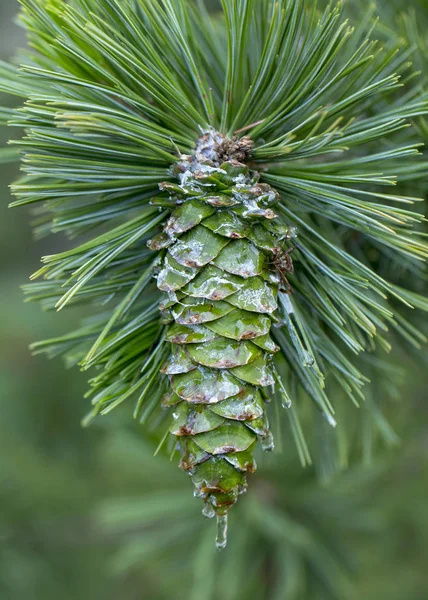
(267, 443)
(208, 511)
(221, 539)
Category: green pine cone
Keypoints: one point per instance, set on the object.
(223, 252)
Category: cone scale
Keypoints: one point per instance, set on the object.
(221, 283)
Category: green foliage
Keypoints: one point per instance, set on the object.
(115, 93)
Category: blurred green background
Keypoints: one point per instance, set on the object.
(91, 514)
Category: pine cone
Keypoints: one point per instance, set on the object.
(219, 273)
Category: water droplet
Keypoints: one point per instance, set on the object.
(293, 232)
(267, 442)
(208, 511)
(309, 360)
(285, 403)
(286, 303)
(279, 323)
(329, 418)
(221, 539)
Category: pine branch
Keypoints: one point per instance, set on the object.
(270, 118)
